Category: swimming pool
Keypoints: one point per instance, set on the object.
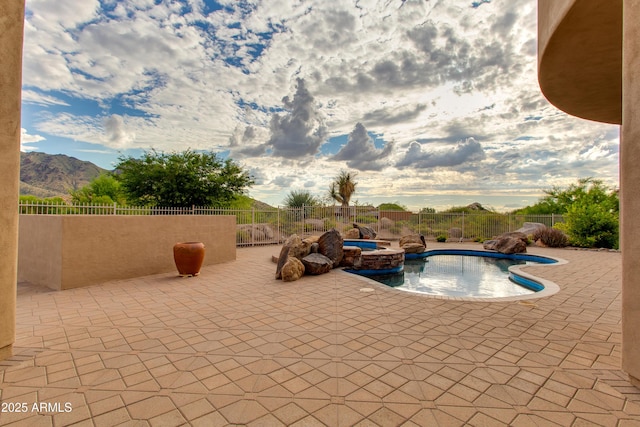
(470, 274)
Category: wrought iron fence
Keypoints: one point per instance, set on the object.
(273, 226)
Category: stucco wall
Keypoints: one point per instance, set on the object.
(40, 250)
(579, 57)
(11, 31)
(71, 251)
(550, 15)
(630, 193)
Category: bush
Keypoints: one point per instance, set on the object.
(300, 198)
(366, 219)
(441, 238)
(396, 229)
(551, 237)
(329, 223)
(591, 225)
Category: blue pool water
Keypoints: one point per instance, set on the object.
(464, 274)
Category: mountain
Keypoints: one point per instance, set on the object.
(49, 175)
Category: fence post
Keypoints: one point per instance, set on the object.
(253, 226)
(462, 237)
(553, 219)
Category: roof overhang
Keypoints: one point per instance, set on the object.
(580, 57)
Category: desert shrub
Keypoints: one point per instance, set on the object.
(366, 219)
(329, 223)
(396, 229)
(441, 238)
(300, 198)
(591, 225)
(551, 237)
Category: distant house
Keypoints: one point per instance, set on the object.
(396, 215)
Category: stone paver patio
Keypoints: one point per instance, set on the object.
(236, 347)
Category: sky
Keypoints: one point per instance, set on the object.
(432, 103)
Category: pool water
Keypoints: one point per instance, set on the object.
(458, 276)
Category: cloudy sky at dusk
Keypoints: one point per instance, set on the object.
(432, 102)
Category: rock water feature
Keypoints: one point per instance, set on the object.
(313, 255)
(363, 254)
(379, 261)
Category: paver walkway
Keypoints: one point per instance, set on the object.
(236, 347)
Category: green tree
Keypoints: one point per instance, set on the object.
(558, 199)
(300, 198)
(104, 189)
(181, 179)
(590, 210)
(343, 187)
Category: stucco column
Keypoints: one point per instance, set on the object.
(630, 191)
(11, 36)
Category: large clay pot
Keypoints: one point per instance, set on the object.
(188, 257)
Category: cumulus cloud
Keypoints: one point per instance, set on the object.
(25, 139)
(116, 132)
(242, 143)
(427, 75)
(422, 157)
(300, 131)
(360, 152)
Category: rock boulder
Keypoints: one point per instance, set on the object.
(529, 228)
(413, 243)
(330, 245)
(508, 243)
(295, 247)
(365, 232)
(292, 270)
(317, 264)
(352, 233)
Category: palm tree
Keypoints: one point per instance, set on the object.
(343, 187)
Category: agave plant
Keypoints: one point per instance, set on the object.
(300, 198)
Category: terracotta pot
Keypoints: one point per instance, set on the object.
(188, 257)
